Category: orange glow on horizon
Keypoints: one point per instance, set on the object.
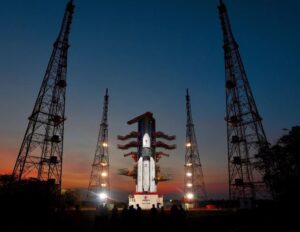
(76, 174)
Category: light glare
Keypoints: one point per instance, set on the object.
(190, 196)
(104, 144)
(188, 174)
(102, 196)
(104, 174)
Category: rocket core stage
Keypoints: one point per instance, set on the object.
(146, 171)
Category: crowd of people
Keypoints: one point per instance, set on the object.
(135, 216)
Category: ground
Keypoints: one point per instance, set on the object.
(196, 220)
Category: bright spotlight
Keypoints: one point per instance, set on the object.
(189, 164)
(104, 144)
(189, 185)
(190, 196)
(104, 174)
(189, 174)
(188, 145)
(103, 185)
(102, 196)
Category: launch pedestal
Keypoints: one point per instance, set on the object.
(145, 201)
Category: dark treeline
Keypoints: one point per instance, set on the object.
(284, 169)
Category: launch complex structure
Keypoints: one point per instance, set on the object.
(41, 153)
(146, 171)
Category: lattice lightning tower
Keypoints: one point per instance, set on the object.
(194, 187)
(41, 152)
(246, 138)
(99, 180)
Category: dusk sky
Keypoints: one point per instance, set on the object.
(147, 53)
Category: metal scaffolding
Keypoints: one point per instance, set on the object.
(246, 139)
(99, 179)
(194, 187)
(41, 152)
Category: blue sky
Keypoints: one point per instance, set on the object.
(147, 53)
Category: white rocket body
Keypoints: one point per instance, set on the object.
(152, 176)
(146, 176)
(146, 168)
(139, 186)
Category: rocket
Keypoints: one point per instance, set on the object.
(146, 171)
(146, 167)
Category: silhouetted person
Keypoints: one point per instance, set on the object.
(162, 217)
(131, 213)
(174, 217)
(138, 211)
(114, 213)
(162, 213)
(101, 217)
(99, 210)
(174, 212)
(124, 216)
(114, 218)
(153, 212)
(138, 215)
(181, 214)
(124, 213)
(105, 212)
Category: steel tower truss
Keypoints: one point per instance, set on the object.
(41, 152)
(246, 139)
(99, 179)
(194, 187)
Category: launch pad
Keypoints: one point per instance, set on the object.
(146, 171)
(145, 201)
